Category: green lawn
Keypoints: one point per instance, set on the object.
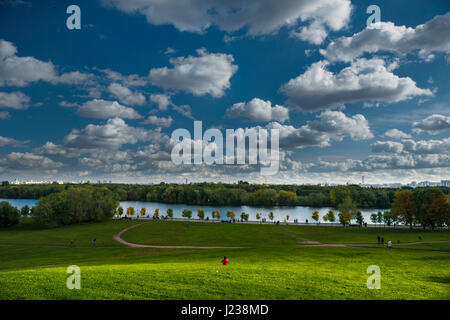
(273, 266)
(28, 233)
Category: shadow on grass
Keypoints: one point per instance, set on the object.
(440, 279)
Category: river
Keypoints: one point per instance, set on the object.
(299, 212)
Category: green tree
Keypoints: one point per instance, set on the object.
(201, 213)
(331, 216)
(348, 205)
(404, 207)
(170, 213)
(25, 210)
(76, 205)
(120, 210)
(156, 213)
(271, 216)
(315, 216)
(439, 211)
(231, 215)
(244, 216)
(143, 211)
(379, 217)
(130, 211)
(388, 218)
(345, 218)
(9, 215)
(258, 216)
(359, 218)
(217, 214)
(187, 214)
(373, 218)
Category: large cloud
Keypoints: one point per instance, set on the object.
(433, 36)
(257, 17)
(4, 141)
(363, 80)
(258, 110)
(14, 100)
(20, 71)
(112, 135)
(381, 162)
(162, 100)
(17, 161)
(396, 134)
(209, 73)
(331, 125)
(158, 121)
(433, 124)
(103, 109)
(125, 95)
(413, 147)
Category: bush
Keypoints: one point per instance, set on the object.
(9, 215)
(76, 205)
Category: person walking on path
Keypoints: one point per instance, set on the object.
(225, 261)
(379, 239)
(382, 240)
(94, 241)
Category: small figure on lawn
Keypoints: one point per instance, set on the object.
(225, 261)
(389, 244)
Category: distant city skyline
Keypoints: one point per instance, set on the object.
(350, 99)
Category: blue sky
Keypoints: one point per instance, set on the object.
(83, 104)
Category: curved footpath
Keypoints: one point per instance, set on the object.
(135, 245)
(304, 242)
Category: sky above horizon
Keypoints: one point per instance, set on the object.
(349, 99)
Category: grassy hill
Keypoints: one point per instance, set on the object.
(274, 265)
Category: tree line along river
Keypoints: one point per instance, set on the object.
(299, 213)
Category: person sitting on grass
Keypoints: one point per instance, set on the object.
(225, 261)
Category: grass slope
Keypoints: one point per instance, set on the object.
(273, 266)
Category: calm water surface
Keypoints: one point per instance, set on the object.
(300, 213)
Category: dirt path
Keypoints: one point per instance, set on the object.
(135, 245)
(318, 244)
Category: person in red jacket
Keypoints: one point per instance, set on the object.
(225, 261)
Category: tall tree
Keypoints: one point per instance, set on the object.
(25, 210)
(359, 218)
(404, 207)
(345, 218)
(315, 215)
(331, 216)
(201, 213)
(439, 211)
(9, 215)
